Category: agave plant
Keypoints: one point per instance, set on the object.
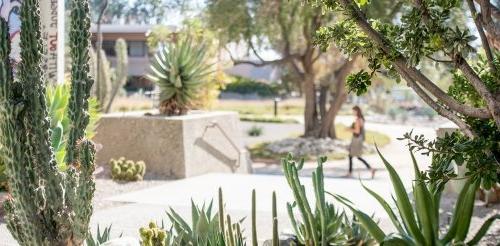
(419, 224)
(100, 237)
(206, 228)
(322, 224)
(179, 69)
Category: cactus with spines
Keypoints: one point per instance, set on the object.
(153, 235)
(120, 72)
(276, 240)
(112, 79)
(47, 206)
(104, 70)
(127, 170)
(255, 241)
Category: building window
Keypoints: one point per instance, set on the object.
(109, 48)
(136, 48)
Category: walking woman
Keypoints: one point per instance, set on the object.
(358, 137)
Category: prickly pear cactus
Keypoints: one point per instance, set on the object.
(127, 170)
(153, 235)
(47, 206)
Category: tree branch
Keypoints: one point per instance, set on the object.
(488, 8)
(297, 69)
(462, 64)
(262, 62)
(401, 66)
(479, 26)
(439, 60)
(318, 55)
(439, 109)
(252, 47)
(488, 12)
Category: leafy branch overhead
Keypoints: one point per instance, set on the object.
(431, 32)
(426, 30)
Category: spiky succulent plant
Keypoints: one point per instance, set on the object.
(179, 69)
(127, 170)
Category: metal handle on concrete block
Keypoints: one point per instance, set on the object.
(214, 124)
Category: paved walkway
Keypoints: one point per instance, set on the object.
(150, 204)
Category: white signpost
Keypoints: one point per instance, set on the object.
(52, 21)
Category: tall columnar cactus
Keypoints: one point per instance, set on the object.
(47, 206)
(111, 79)
(120, 71)
(103, 71)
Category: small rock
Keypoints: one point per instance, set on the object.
(285, 240)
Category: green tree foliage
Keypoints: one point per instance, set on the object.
(246, 86)
(287, 27)
(426, 32)
(135, 12)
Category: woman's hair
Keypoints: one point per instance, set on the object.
(359, 113)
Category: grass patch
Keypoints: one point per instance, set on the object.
(261, 107)
(259, 152)
(264, 119)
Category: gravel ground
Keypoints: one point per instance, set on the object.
(106, 188)
(481, 213)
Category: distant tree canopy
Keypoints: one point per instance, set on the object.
(288, 28)
(135, 12)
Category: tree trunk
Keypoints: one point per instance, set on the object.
(323, 94)
(327, 128)
(310, 112)
(299, 87)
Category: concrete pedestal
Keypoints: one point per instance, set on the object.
(174, 147)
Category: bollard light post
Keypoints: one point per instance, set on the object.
(276, 100)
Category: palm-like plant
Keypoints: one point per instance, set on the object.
(179, 69)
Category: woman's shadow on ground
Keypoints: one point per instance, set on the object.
(334, 172)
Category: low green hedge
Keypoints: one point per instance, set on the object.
(246, 86)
